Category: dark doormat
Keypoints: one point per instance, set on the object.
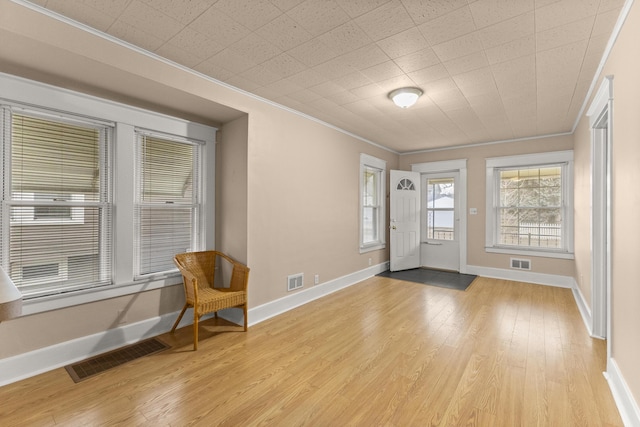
(88, 368)
(443, 279)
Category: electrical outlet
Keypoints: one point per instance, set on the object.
(370, 261)
(316, 279)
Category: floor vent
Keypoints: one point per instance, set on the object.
(521, 264)
(90, 367)
(295, 281)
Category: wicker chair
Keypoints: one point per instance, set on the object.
(198, 270)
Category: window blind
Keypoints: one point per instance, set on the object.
(56, 203)
(168, 201)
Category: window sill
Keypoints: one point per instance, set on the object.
(365, 249)
(529, 252)
(57, 302)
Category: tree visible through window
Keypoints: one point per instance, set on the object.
(531, 207)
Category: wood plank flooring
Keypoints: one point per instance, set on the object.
(380, 353)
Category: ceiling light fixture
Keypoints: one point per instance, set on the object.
(405, 97)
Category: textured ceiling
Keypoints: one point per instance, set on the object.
(490, 70)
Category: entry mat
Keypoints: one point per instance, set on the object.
(96, 365)
(443, 279)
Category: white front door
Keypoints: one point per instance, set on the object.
(404, 220)
(440, 215)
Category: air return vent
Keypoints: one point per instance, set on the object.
(295, 281)
(521, 264)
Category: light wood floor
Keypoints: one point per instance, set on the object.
(382, 352)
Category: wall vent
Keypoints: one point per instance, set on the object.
(521, 264)
(295, 281)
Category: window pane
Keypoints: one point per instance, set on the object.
(54, 158)
(370, 187)
(167, 169)
(440, 208)
(164, 232)
(369, 225)
(40, 255)
(58, 208)
(168, 202)
(530, 213)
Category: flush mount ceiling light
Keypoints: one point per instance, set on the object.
(405, 97)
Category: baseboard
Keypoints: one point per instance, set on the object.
(627, 406)
(583, 307)
(297, 298)
(522, 276)
(45, 359)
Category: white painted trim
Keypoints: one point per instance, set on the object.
(45, 359)
(296, 299)
(480, 144)
(524, 252)
(600, 116)
(600, 101)
(564, 157)
(523, 276)
(627, 405)
(583, 307)
(626, 8)
(368, 161)
(442, 166)
(26, 93)
(137, 49)
(459, 165)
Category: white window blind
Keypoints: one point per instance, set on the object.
(56, 213)
(168, 201)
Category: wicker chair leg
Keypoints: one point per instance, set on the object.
(196, 318)
(175, 325)
(245, 317)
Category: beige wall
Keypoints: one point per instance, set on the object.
(295, 208)
(298, 188)
(624, 65)
(476, 196)
(231, 189)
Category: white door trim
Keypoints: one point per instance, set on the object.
(600, 122)
(459, 166)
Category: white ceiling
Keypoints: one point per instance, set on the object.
(490, 70)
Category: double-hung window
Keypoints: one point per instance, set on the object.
(168, 201)
(97, 197)
(372, 203)
(56, 201)
(530, 204)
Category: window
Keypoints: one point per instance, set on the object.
(57, 201)
(97, 196)
(372, 203)
(530, 204)
(440, 208)
(168, 208)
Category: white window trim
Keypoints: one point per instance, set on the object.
(525, 160)
(197, 233)
(28, 211)
(19, 91)
(367, 161)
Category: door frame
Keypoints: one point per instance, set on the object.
(439, 250)
(459, 166)
(600, 123)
